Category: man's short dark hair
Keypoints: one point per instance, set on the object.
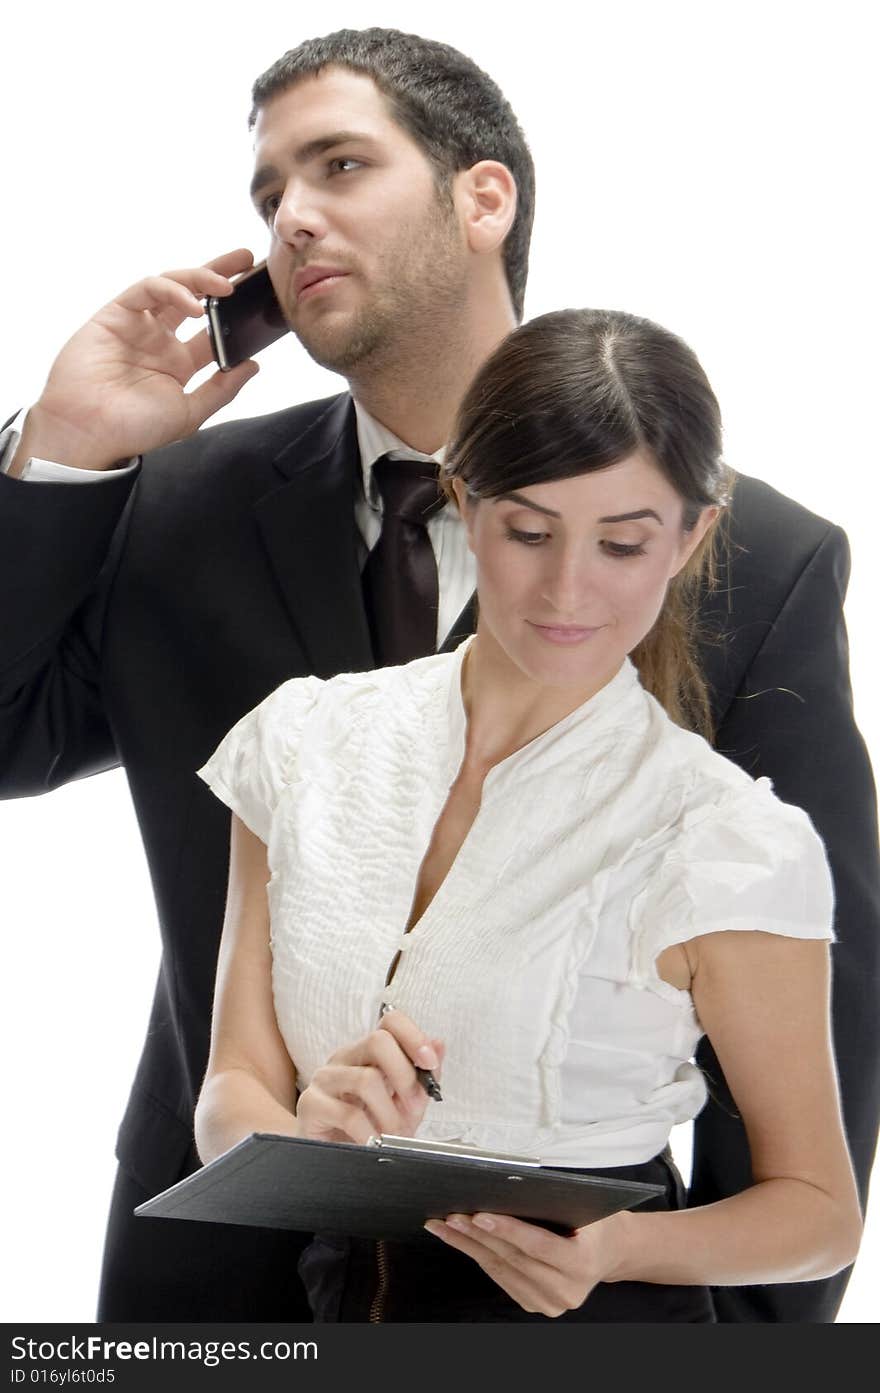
(453, 111)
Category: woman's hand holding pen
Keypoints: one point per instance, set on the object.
(371, 1086)
(542, 1271)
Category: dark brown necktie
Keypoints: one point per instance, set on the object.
(400, 578)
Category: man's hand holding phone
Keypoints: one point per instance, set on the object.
(117, 388)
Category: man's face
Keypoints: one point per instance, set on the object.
(343, 189)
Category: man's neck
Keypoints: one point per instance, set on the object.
(418, 400)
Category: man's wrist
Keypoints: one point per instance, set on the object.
(55, 442)
(29, 452)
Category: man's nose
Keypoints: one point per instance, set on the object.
(298, 219)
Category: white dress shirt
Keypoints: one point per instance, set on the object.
(456, 569)
(610, 837)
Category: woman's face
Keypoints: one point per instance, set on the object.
(571, 575)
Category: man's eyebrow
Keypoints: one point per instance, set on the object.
(551, 513)
(267, 173)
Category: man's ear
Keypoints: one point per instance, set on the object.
(485, 196)
(691, 540)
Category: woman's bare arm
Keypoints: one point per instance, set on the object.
(250, 1084)
(763, 1001)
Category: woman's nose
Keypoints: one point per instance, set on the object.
(567, 586)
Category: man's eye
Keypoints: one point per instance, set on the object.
(340, 160)
(622, 549)
(269, 207)
(530, 539)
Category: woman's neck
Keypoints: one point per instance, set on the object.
(505, 708)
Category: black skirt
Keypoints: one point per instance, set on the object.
(354, 1279)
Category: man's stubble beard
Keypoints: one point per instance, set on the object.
(416, 298)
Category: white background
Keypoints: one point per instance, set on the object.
(710, 167)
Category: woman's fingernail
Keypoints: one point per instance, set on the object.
(426, 1055)
(483, 1221)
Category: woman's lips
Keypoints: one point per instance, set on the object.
(564, 633)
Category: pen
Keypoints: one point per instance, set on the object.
(424, 1076)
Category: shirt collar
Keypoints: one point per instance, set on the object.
(375, 440)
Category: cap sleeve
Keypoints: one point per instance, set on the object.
(256, 760)
(752, 862)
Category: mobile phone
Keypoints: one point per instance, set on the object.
(247, 321)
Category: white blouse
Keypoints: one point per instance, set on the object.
(603, 841)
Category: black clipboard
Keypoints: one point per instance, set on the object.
(386, 1190)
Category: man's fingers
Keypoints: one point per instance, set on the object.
(200, 352)
(231, 263)
(181, 292)
(218, 392)
(213, 277)
(177, 295)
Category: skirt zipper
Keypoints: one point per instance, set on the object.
(377, 1308)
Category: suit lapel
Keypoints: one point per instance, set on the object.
(309, 532)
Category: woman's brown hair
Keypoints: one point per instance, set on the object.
(579, 390)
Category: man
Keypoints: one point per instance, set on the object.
(163, 599)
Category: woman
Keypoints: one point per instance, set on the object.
(555, 886)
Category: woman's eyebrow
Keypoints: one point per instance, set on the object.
(632, 517)
(551, 513)
(526, 503)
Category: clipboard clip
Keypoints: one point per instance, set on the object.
(405, 1146)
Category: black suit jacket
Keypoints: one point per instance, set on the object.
(143, 616)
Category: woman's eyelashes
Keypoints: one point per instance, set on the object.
(530, 539)
(619, 550)
(624, 548)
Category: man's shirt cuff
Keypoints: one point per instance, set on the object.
(44, 471)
